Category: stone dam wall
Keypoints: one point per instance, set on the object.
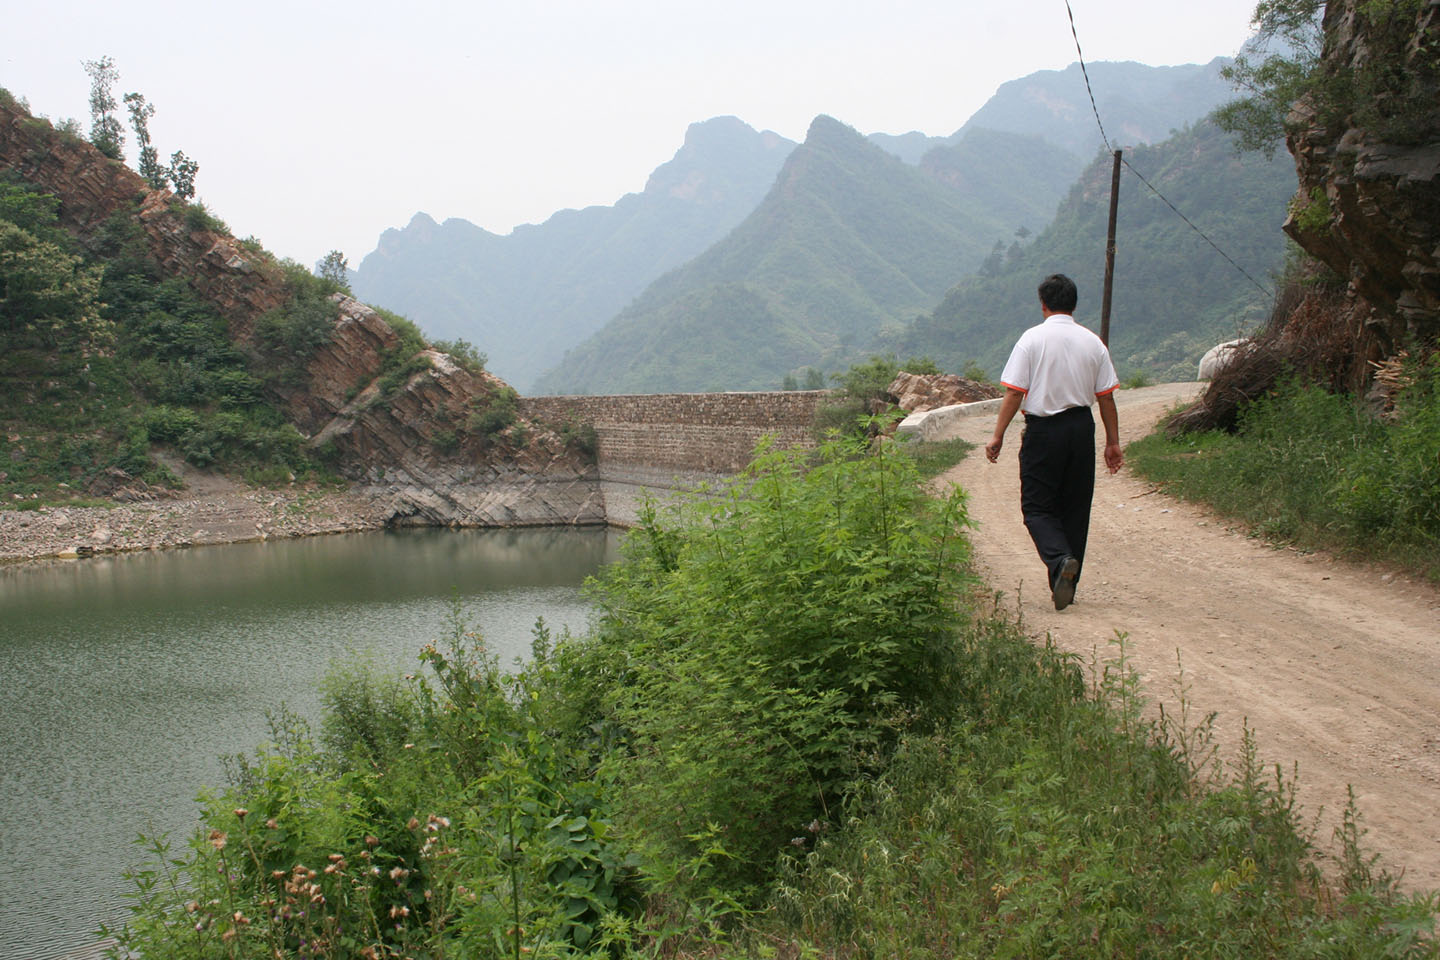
(656, 444)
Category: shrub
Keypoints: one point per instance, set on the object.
(464, 353)
(198, 217)
(500, 410)
(292, 333)
(775, 636)
(580, 436)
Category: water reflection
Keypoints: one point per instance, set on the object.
(125, 678)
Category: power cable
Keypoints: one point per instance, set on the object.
(1090, 90)
(1086, 74)
(1258, 285)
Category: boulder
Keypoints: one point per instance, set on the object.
(1217, 358)
(914, 391)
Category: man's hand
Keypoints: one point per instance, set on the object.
(1114, 457)
(1008, 408)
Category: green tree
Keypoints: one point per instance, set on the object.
(1386, 87)
(335, 268)
(182, 174)
(46, 295)
(149, 160)
(105, 131)
(1278, 66)
(814, 379)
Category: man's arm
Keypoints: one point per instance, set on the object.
(1008, 408)
(1114, 458)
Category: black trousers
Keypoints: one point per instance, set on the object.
(1057, 482)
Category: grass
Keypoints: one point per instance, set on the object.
(1319, 471)
(934, 457)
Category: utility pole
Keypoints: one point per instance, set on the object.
(1110, 252)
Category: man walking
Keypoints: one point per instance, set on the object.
(1054, 372)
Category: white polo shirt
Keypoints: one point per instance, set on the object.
(1059, 364)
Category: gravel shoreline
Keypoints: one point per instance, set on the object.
(194, 518)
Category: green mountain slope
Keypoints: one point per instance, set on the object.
(849, 239)
(525, 296)
(1018, 178)
(1174, 295)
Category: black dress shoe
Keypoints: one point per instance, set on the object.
(1063, 592)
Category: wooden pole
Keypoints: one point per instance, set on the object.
(1110, 252)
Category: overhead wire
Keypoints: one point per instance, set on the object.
(1099, 123)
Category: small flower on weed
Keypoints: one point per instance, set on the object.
(412, 823)
(217, 839)
(241, 813)
(272, 824)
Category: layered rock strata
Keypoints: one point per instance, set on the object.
(1368, 204)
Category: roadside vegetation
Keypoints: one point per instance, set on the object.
(795, 729)
(860, 406)
(1321, 470)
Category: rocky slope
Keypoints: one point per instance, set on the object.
(406, 445)
(1368, 204)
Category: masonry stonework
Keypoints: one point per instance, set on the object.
(656, 444)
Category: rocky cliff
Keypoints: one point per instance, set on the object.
(406, 444)
(1368, 204)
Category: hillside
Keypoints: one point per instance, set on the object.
(1174, 295)
(848, 239)
(526, 295)
(136, 332)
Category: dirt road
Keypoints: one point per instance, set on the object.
(1334, 666)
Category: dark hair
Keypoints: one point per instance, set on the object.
(1058, 293)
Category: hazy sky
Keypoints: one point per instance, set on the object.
(317, 126)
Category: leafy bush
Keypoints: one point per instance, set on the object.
(464, 353)
(436, 817)
(291, 334)
(775, 636)
(501, 409)
(580, 436)
(198, 217)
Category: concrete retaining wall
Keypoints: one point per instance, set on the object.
(655, 444)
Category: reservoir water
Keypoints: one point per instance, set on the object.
(124, 679)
